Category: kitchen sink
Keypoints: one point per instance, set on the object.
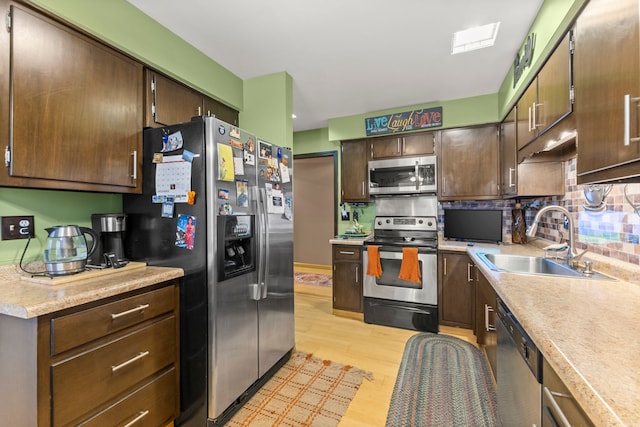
(522, 264)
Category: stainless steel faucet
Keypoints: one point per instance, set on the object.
(572, 255)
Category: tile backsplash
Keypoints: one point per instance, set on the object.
(612, 230)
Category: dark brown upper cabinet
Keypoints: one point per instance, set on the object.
(75, 117)
(412, 144)
(607, 74)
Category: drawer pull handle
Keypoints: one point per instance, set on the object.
(140, 355)
(347, 253)
(140, 416)
(141, 307)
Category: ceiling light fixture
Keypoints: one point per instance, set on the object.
(474, 38)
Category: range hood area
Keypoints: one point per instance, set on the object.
(558, 143)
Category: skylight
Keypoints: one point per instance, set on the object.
(474, 38)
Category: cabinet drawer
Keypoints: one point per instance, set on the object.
(84, 326)
(90, 379)
(346, 252)
(151, 405)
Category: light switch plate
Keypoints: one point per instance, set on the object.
(17, 227)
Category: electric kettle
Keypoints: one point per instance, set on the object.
(66, 251)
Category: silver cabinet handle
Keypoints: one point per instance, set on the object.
(444, 185)
(137, 309)
(357, 275)
(347, 253)
(554, 407)
(363, 188)
(487, 326)
(627, 119)
(398, 146)
(140, 416)
(134, 175)
(404, 145)
(511, 176)
(139, 356)
(469, 272)
(530, 126)
(445, 266)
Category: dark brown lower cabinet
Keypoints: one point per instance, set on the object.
(347, 278)
(486, 300)
(109, 362)
(557, 402)
(456, 290)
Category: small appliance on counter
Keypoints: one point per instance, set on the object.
(66, 251)
(109, 250)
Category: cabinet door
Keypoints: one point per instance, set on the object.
(486, 304)
(354, 181)
(558, 402)
(386, 146)
(170, 102)
(347, 286)
(606, 70)
(526, 110)
(221, 111)
(554, 86)
(76, 116)
(456, 294)
(417, 144)
(508, 154)
(469, 163)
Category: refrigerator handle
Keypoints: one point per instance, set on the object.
(256, 289)
(265, 236)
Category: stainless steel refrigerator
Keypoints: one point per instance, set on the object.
(217, 201)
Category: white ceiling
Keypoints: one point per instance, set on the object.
(353, 56)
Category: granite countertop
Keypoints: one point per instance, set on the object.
(27, 299)
(359, 241)
(586, 329)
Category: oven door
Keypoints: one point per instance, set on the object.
(389, 287)
(411, 175)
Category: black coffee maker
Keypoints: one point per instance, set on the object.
(110, 229)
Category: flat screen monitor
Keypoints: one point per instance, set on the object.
(476, 225)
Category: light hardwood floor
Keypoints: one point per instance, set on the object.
(373, 348)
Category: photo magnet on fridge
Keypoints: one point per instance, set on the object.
(186, 231)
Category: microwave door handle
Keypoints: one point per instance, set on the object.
(417, 169)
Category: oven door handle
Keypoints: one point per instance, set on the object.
(402, 307)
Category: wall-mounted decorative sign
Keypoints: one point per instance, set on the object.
(401, 122)
(521, 62)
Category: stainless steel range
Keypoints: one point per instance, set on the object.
(389, 300)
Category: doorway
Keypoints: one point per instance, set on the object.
(314, 222)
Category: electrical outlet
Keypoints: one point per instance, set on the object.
(17, 227)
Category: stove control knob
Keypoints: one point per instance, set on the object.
(420, 221)
(379, 222)
(429, 223)
(388, 221)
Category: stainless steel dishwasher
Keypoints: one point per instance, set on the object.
(519, 376)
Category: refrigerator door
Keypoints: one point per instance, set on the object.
(233, 315)
(275, 309)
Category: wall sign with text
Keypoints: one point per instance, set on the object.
(521, 62)
(406, 121)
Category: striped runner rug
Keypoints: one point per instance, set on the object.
(442, 381)
(306, 391)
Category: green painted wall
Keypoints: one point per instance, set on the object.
(455, 113)
(268, 102)
(49, 208)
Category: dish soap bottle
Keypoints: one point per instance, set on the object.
(518, 225)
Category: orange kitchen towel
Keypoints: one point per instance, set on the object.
(410, 267)
(373, 265)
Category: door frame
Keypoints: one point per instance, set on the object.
(333, 154)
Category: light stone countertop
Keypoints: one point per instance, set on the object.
(25, 299)
(356, 241)
(586, 329)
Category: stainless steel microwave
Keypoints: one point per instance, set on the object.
(404, 175)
